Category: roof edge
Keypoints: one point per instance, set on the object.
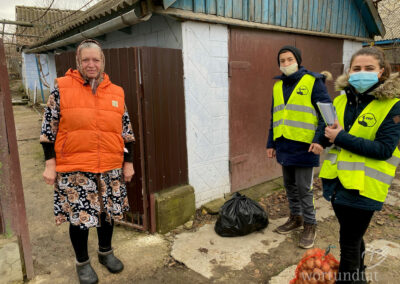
(384, 42)
(376, 26)
(77, 23)
(168, 3)
(125, 20)
(189, 15)
(44, 8)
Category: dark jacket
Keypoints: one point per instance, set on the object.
(387, 137)
(290, 152)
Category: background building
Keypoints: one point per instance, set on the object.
(227, 50)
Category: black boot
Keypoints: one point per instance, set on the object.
(294, 222)
(308, 236)
(108, 259)
(86, 273)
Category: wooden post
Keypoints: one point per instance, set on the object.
(12, 195)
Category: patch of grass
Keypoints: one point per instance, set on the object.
(277, 189)
(392, 217)
(8, 232)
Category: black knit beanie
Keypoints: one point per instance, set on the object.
(296, 52)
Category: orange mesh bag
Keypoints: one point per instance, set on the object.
(317, 266)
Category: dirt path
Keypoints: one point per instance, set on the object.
(52, 252)
(147, 257)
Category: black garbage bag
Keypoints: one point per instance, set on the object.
(240, 216)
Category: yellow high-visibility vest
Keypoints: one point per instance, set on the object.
(297, 120)
(371, 177)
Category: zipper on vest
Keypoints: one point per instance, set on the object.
(97, 129)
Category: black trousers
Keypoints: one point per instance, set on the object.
(353, 225)
(79, 238)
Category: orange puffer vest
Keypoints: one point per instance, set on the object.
(89, 137)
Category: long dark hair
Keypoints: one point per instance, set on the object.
(378, 54)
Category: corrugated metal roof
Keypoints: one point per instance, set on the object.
(389, 11)
(44, 21)
(97, 11)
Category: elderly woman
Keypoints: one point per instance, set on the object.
(87, 139)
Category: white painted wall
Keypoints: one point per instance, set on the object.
(52, 70)
(29, 73)
(349, 47)
(205, 60)
(158, 31)
(31, 77)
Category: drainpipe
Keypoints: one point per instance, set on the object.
(122, 21)
(40, 80)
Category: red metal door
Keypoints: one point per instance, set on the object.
(252, 65)
(320, 54)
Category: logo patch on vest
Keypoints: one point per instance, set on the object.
(302, 90)
(115, 103)
(367, 120)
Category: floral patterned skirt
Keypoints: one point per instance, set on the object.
(80, 197)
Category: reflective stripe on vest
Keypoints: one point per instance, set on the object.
(370, 176)
(297, 120)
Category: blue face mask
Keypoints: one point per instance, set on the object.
(362, 81)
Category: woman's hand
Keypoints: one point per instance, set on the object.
(270, 152)
(315, 148)
(331, 132)
(128, 171)
(50, 174)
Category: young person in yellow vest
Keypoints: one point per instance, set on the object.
(295, 135)
(87, 140)
(361, 164)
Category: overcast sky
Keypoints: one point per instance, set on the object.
(7, 10)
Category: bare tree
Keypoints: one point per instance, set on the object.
(389, 10)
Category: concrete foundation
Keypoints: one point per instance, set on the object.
(10, 261)
(174, 207)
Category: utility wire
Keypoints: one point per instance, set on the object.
(40, 17)
(73, 13)
(45, 12)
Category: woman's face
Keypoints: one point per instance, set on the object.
(91, 62)
(366, 63)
